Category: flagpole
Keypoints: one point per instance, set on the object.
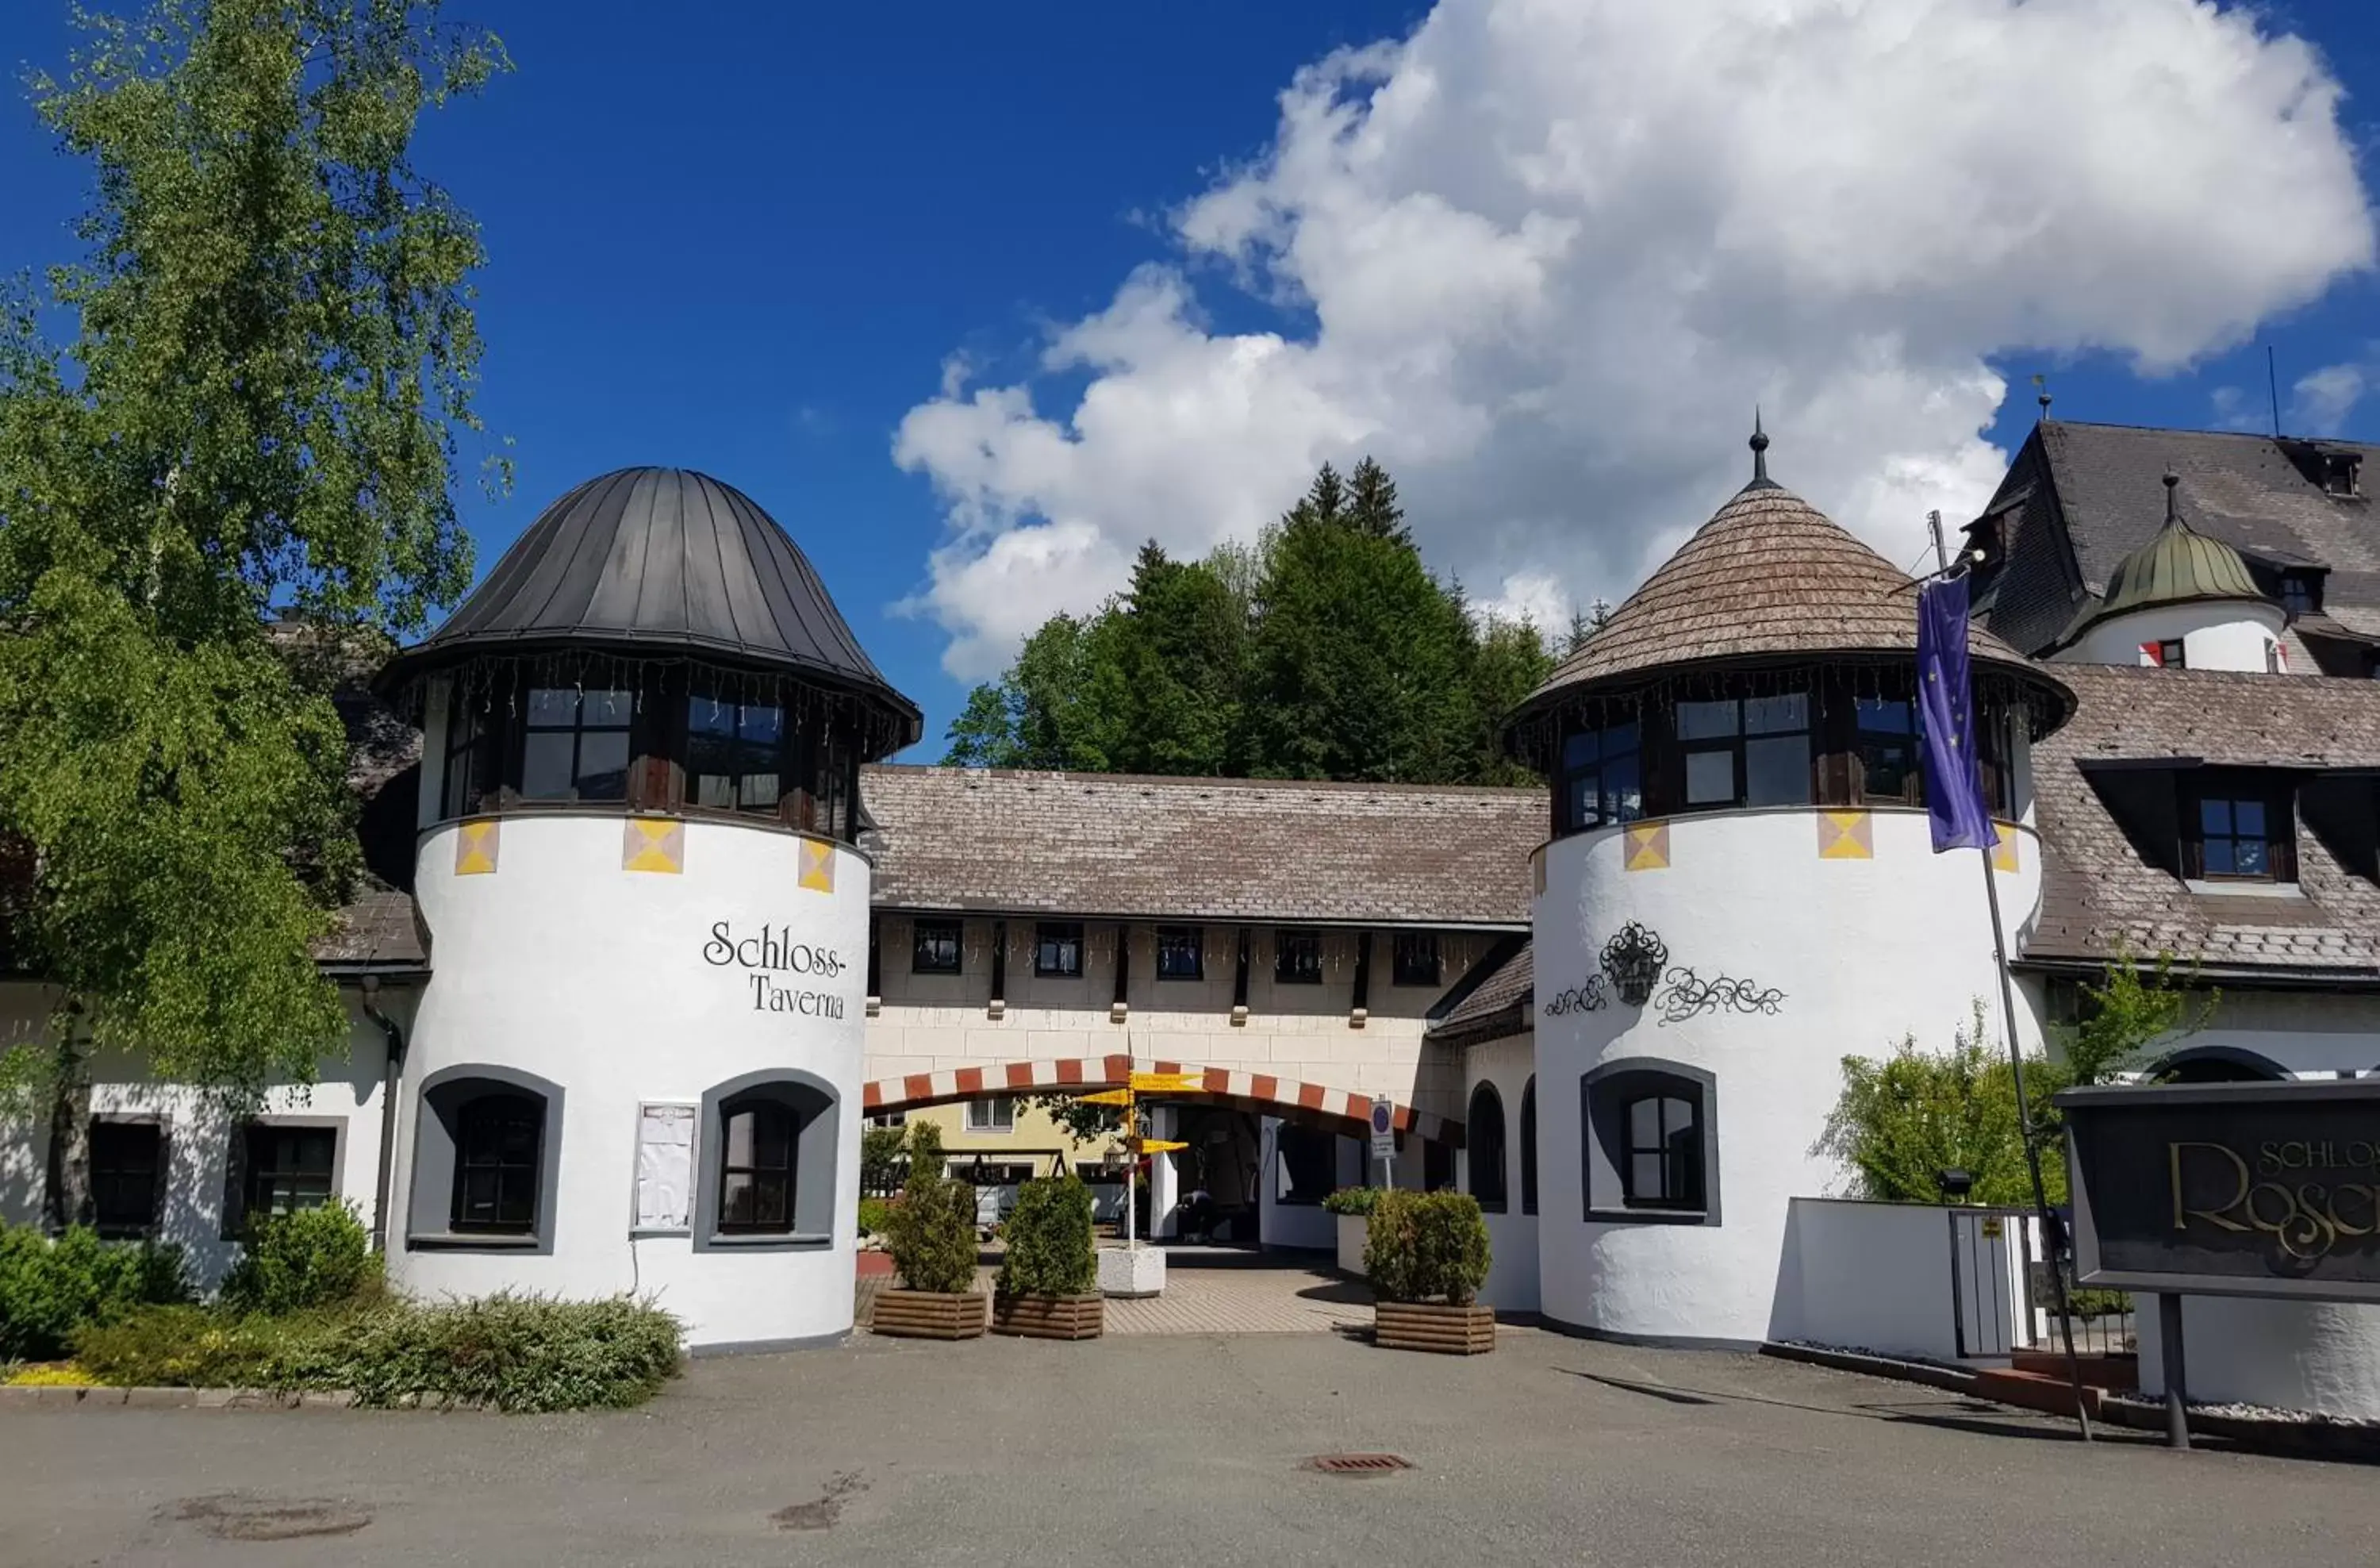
(2052, 1233)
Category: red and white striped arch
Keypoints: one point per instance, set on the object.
(1261, 1093)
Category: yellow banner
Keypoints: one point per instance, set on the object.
(1167, 1083)
(1113, 1097)
(1154, 1146)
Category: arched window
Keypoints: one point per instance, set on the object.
(1529, 1145)
(1483, 1133)
(756, 1167)
(498, 1154)
(486, 1150)
(1651, 1149)
(769, 1177)
(2218, 1065)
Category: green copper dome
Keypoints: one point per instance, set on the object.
(2178, 567)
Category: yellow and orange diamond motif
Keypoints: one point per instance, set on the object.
(1846, 835)
(653, 843)
(818, 865)
(2004, 852)
(1648, 847)
(474, 848)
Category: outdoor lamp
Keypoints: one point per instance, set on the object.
(1955, 1184)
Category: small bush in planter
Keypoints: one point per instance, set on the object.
(875, 1216)
(1048, 1234)
(1352, 1200)
(1427, 1248)
(304, 1259)
(931, 1233)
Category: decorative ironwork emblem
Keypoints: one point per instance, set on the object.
(1687, 995)
(1585, 997)
(1632, 963)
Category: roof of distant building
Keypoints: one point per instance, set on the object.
(1497, 1004)
(2178, 565)
(655, 562)
(1768, 577)
(2112, 770)
(1194, 849)
(2082, 497)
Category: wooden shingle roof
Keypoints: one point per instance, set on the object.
(1768, 577)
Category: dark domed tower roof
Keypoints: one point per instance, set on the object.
(651, 562)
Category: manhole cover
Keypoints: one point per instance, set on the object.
(1358, 1464)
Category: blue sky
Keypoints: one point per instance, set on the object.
(746, 238)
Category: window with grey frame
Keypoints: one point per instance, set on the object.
(285, 1168)
(127, 1176)
(756, 1167)
(1529, 1145)
(499, 1158)
(1651, 1150)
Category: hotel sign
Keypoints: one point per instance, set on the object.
(2228, 1189)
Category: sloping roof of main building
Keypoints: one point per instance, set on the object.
(2102, 783)
(1191, 849)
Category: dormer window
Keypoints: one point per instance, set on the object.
(2339, 473)
(2237, 827)
(2297, 594)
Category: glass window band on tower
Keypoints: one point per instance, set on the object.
(1840, 736)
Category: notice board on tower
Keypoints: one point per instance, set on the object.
(665, 1197)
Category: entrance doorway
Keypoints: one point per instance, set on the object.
(1218, 1176)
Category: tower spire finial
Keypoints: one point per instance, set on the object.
(2173, 489)
(1759, 453)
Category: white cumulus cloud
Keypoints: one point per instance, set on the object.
(2322, 399)
(1542, 257)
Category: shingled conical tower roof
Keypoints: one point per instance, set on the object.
(1769, 579)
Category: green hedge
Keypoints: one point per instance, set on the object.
(299, 1261)
(1426, 1246)
(1352, 1200)
(1049, 1235)
(51, 1289)
(513, 1352)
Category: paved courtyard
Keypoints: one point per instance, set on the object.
(1182, 1449)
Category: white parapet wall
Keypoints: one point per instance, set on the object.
(612, 965)
(2309, 1355)
(1880, 1277)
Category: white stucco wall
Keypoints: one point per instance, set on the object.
(2302, 1032)
(1299, 1226)
(1865, 951)
(1509, 1065)
(2226, 634)
(346, 1093)
(2321, 1356)
(1876, 1277)
(608, 983)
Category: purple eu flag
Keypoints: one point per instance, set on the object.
(1946, 713)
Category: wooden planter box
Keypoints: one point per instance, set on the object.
(931, 1314)
(1049, 1317)
(1434, 1325)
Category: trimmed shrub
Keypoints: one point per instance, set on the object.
(1352, 1200)
(50, 1289)
(932, 1233)
(1426, 1246)
(304, 1259)
(510, 1352)
(1048, 1234)
(875, 1214)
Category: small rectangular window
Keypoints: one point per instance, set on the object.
(1663, 1163)
(735, 752)
(935, 950)
(287, 1169)
(1888, 749)
(2239, 828)
(1058, 948)
(1600, 779)
(2297, 594)
(997, 1115)
(1417, 958)
(126, 1158)
(2169, 654)
(1180, 953)
(1297, 957)
(576, 745)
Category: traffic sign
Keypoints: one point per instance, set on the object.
(1167, 1083)
(1113, 1097)
(1384, 1128)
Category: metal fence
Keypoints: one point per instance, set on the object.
(2004, 1297)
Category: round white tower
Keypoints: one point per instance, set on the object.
(636, 1066)
(1740, 892)
(2183, 600)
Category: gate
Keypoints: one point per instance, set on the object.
(1987, 1285)
(2102, 1319)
